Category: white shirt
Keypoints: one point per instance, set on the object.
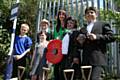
(90, 26)
(65, 44)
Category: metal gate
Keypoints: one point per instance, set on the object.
(48, 9)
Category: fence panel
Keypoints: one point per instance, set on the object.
(49, 8)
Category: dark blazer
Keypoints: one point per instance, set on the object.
(73, 51)
(67, 60)
(94, 51)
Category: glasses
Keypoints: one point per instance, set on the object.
(90, 12)
(61, 13)
(70, 22)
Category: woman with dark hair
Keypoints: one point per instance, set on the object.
(59, 31)
(60, 27)
(70, 48)
(70, 20)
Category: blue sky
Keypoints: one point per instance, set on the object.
(95, 3)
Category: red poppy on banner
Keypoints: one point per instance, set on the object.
(54, 51)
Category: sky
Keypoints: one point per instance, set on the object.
(95, 3)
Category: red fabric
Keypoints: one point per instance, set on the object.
(51, 57)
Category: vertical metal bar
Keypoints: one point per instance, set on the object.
(112, 4)
(67, 8)
(114, 55)
(38, 18)
(104, 5)
(72, 12)
(87, 4)
(104, 10)
(40, 6)
(81, 14)
(92, 2)
(37, 21)
(58, 7)
(107, 4)
(63, 4)
(98, 6)
(118, 43)
(50, 10)
(118, 58)
(45, 10)
(53, 15)
(42, 9)
(54, 4)
(77, 9)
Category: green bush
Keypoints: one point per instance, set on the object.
(4, 47)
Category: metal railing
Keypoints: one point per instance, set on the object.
(48, 9)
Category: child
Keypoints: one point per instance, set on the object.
(39, 59)
(97, 35)
(21, 48)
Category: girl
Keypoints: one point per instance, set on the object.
(39, 57)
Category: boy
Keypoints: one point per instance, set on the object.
(97, 34)
(21, 48)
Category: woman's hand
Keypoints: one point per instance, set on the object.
(76, 60)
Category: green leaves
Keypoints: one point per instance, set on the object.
(4, 47)
(4, 41)
(108, 15)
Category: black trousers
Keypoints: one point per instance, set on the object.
(16, 63)
(58, 72)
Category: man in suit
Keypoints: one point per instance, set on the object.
(96, 36)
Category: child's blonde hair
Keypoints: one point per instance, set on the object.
(25, 25)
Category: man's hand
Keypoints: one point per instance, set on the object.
(92, 36)
(81, 38)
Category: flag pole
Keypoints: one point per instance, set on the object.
(9, 65)
(13, 34)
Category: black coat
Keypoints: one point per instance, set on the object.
(73, 50)
(94, 51)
